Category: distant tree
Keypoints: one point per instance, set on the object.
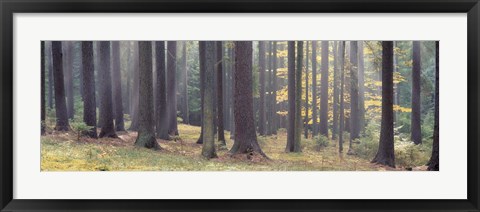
(117, 86)
(434, 163)
(341, 61)
(335, 91)
(106, 112)
(219, 68)
(171, 87)
(89, 101)
(354, 111)
(262, 103)
(386, 154)
(202, 57)
(245, 135)
(314, 89)
(50, 74)
(161, 98)
(146, 132)
(60, 103)
(416, 126)
(298, 98)
(361, 87)
(208, 150)
(135, 88)
(68, 77)
(42, 87)
(274, 97)
(186, 112)
(291, 98)
(270, 101)
(306, 93)
(324, 91)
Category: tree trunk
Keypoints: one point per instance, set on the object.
(89, 101)
(386, 153)
(202, 58)
(42, 88)
(416, 127)
(306, 93)
(106, 112)
(269, 112)
(274, 88)
(208, 150)
(361, 87)
(60, 103)
(161, 99)
(186, 112)
(341, 61)
(433, 164)
(146, 132)
(232, 93)
(171, 87)
(298, 98)
(50, 76)
(117, 86)
(354, 111)
(324, 91)
(245, 135)
(135, 88)
(314, 89)
(68, 70)
(291, 98)
(219, 64)
(335, 91)
(262, 105)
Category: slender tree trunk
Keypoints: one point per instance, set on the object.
(117, 86)
(291, 98)
(433, 164)
(335, 91)
(324, 91)
(202, 57)
(416, 126)
(314, 89)
(50, 75)
(171, 87)
(386, 152)
(361, 87)
(306, 93)
(341, 50)
(270, 89)
(232, 93)
(262, 104)
(106, 112)
(135, 88)
(161, 86)
(126, 98)
(298, 98)
(208, 150)
(396, 89)
(89, 101)
(219, 64)
(60, 103)
(186, 109)
(274, 97)
(42, 88)
(354, 110)
(245, 135)
(146, 132)
(68, 70)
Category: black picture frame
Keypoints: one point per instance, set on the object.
(9, 7)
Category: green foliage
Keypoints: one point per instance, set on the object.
(79, 128)
(321, 142)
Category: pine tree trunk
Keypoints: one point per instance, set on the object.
(89, 101)
(298, 98)
(42, 88)
(434, 163)
(269, 110)
(341, 54)
(354, 111)
(68, 77)
(314, 89)
(161, 98)
(219, 64)
(202, 57)
(60, 103)
(186, 109)
(208, 150)
(106, 112)
(306, 93)
(262, 105)
(386, 153)
(416, 127)
(324, 91)
(361, 88)
(50, 75)
(117, 86)
(291, 98)
(146, 132)
(274, 88)
(335, 91)
(135, 88)
(171, 87)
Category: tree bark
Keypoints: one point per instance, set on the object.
(202, 58)
(324, 91)
(68, 77)
(306, 93)
(262, 105)
(245, 135)
(291, 98)
(186, 112)
(50, 75)
(386, 153)
(89, 101)
(208, 150)
(60, 102)
(416, 126)
(135, 88)
(117, 86)
(335, 91)
(42, 88)
(106, 112)
(274, 97)
(434, 163)
(361, 87)
(219, 65)
(146, 132)
(341, 53)
(298, 98)
(161, 100)
(354, 111)
(314, 89)
(171, 87)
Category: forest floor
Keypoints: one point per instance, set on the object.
(63, 152)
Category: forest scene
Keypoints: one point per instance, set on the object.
(239, 105)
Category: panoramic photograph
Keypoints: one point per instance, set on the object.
(239, 105)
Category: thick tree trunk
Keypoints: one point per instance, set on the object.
(324, 91)
(146, 132)
(291, 98)
(306, 93)
(60, 103)
(171, 87)
(245, 135)
(262, 104)
(434, 163)
(42, 88)
(341, 61)
(208, 150)
(135, 88)
(106, 112)
(161, 99)
(416, 126)
(354, 111)
(298, 98)
(89, 101)
(335, 91)
(361, 88)
(219, 64)
(68, 70)
(386, 153)
(314, 89)
(117, 86)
